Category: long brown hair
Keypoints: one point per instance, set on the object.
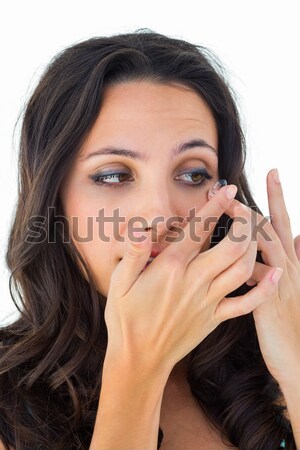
(51, 357)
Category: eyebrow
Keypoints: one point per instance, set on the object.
(142, 156)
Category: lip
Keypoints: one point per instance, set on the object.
(154, 253)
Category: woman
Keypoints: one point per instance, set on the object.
(135, 130)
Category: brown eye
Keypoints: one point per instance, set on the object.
(101, 178)
(198, 176)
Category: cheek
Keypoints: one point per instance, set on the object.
(90, 221)
(101, 261)
(93, 234)
(100, 264)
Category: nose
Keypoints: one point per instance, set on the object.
(161, 215)
(164, 231)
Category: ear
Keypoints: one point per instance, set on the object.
(297, 246)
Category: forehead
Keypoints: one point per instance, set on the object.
(148, 116)
(126, 100)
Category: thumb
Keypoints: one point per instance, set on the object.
(297, 246)
(137, 253)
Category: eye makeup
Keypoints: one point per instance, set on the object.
(201, 175)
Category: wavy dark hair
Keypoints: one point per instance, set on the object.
(51, 357)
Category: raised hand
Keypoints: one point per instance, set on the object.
(156, 316)
(277, 319)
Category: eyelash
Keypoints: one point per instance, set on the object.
(98, 178)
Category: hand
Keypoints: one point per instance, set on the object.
(277, 320)
(156, 316)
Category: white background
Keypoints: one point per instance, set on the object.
(257, 41)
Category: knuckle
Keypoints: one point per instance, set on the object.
(240, 236)
(237, 249)
(249, 271)
(173, 261)
(134, 251)
(131, 254)
(285, 220)
(244, 243)
(208, 224)
(267, 291)
(244, 308)
(198, 272)
(217, 320)
(243, 269)
(221, 202)
(243, 215)
(243, 209)
(268, 227)
(239, 210)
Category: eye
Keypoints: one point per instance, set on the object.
(199, 175)
(100, 178)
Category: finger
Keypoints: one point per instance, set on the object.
(137, 252)
(201, 226)
(235, 275)
(297, 246)
(278, 212)
(268, 242)
(232, 307)
(229, 249)
(259, 272)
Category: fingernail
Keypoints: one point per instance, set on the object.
(276, 275)
(216, 187)
(276, 176)
(231, 191)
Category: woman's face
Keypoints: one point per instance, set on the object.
(155, 190)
